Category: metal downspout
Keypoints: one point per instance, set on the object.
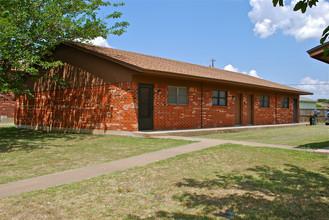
(201, 104)
(276, 108)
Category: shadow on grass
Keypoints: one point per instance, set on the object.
(315, 145)
(263, 193)
(13, 139)
(325, 170)
(167, 215)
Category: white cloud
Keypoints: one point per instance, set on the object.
(264, 28)
(230, 67)
(100, 41)
(253, 73)
(269, 19)
(318, 87)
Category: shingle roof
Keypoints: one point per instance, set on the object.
(146, 63)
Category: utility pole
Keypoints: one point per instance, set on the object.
(213, 63)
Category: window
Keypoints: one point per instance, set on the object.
(219, 98)
(285, 102)
(264, 101)
(177, 95)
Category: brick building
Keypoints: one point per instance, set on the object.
(7, 105)
(115, 90)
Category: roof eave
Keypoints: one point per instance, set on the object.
(318, 48)
(317, 52)
(186, 76)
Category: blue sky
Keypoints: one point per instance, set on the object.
(248, 36)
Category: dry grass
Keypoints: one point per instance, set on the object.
(26, 153)
(254, 183)
(303, 136)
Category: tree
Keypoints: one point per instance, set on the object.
(31, 29)
(323, 100)
(302, 5)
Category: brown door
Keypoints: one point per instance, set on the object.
(238, 109)
(250, 109)
(145, 107)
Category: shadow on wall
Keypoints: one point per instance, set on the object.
(76, 77)
(263, 193)
(70, 108)
(82, 106)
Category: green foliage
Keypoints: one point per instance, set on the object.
(275, 3)
(323, 100)
(319, 106)
(302, 5)
(31, 29)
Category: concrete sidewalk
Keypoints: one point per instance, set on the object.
(246, 143)
(253, 144)
(55, 179)
(68, 176)
(6, 124)
(205, 131)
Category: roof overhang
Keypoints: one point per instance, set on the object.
(317, 52)
(229, 83)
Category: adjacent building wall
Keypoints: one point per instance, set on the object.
(307, 104)
(7, 105)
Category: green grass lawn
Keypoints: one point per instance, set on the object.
(27, 153)
(303, 136)
(252, 182)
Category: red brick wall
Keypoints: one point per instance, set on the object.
(107, 107)
(264, 115)
(170, 116)
(115, 107)
(285, 115)
(7, 105)
(175, 116)
(217, 116)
